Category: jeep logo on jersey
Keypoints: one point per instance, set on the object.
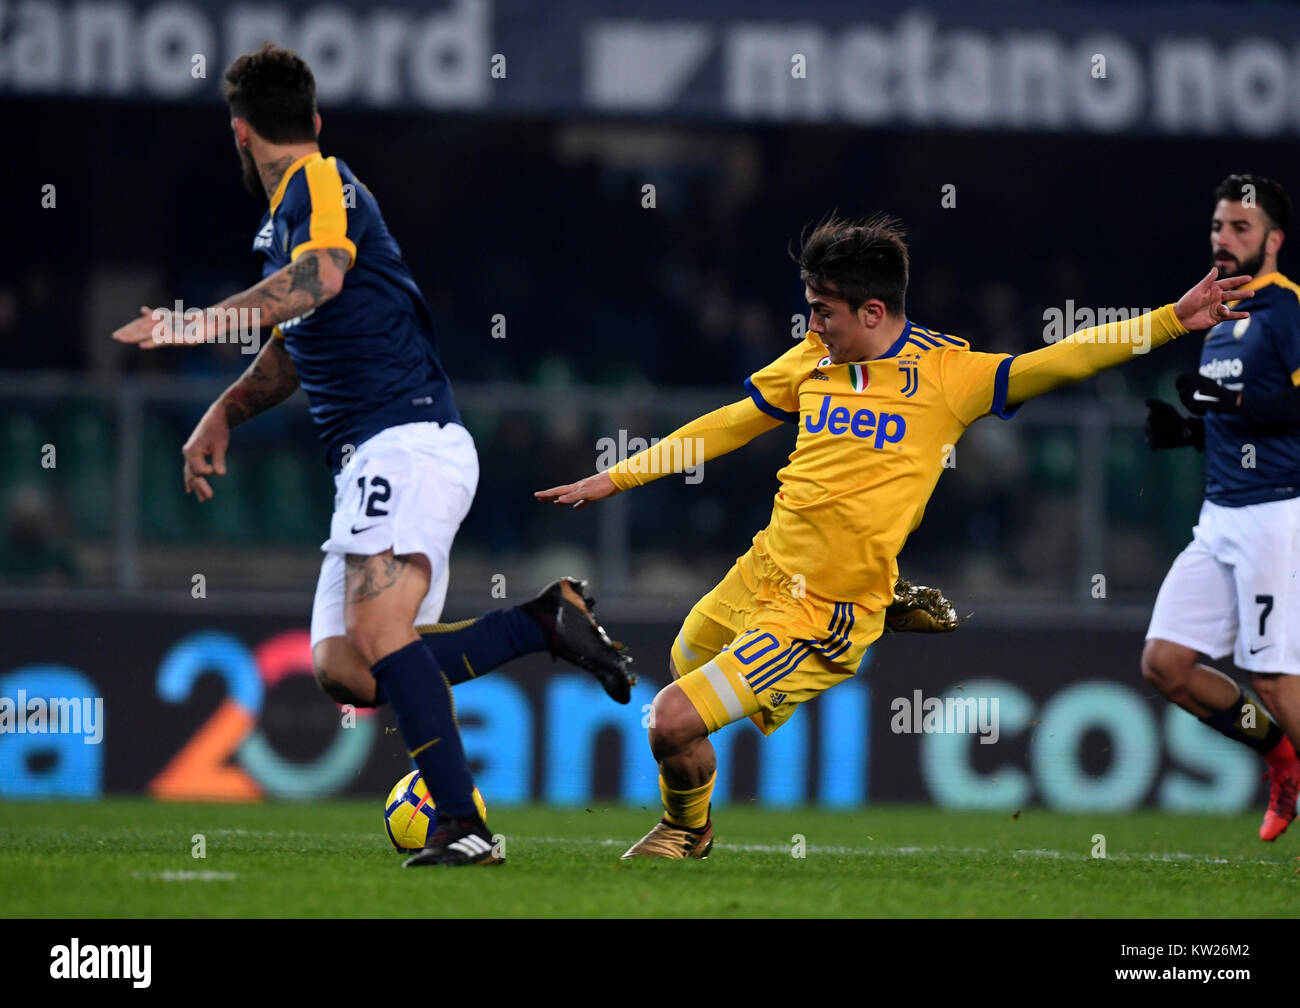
(1228, 367)
(887, 428)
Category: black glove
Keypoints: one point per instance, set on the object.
(1167, 428)
(1199, 394)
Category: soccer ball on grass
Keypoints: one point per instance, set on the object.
(409, 816)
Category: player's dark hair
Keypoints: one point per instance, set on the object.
(273, 88)
(1269, 197)
(856, 260)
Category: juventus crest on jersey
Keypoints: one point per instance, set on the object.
(871, 443)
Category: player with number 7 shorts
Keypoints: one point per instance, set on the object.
(1233, 590)
(877, 402)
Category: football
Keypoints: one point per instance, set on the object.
(408, 813)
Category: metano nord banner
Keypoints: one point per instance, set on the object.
(1102, 67)
(210, 704)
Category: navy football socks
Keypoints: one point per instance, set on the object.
(472, 648)
(1264, 733)
(421, 698)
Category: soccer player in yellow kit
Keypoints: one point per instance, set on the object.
(878, 402)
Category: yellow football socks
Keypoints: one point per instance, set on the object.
(689, 809)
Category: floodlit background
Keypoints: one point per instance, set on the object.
(1071, 185)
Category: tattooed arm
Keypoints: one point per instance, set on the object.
(269, 380)
(306, 283)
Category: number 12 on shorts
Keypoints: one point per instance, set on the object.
(380, 491)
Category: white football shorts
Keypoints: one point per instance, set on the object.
(1234, 589)
(409, 487)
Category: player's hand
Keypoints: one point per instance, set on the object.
(159, 327)
(582, 493)
(1199, 394)
(210, 438)
(141, 331)
(1203, 306)
(1167, 428)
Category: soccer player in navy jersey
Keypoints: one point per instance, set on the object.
(348, 323)
(1234, 589)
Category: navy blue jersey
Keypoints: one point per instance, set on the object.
(367, 358)
(1263, 353)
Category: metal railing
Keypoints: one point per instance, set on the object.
(133, 407)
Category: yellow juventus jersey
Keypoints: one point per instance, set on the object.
(872, 440)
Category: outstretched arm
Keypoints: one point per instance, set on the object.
(1085, 353)
(306, 283)
(705, 438)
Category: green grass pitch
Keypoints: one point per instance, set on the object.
(133, 858)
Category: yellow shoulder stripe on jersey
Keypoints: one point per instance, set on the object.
(1264, 279)
(275, 333)
(329, 217)
(278, 195)
(1285, 283)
